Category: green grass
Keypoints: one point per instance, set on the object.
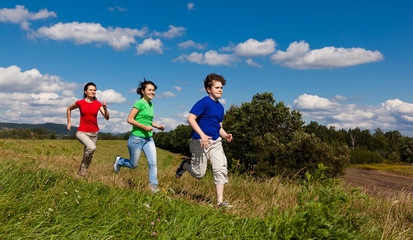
(41, 197)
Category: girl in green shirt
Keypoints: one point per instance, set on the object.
(141, 119)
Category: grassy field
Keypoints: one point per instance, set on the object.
(41, 197)
(402, 169)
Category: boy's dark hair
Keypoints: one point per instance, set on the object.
(211, 78)
(142, 86)
(86, 87)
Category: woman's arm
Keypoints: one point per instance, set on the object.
(104, 110)
(133, 122)
(68, 114)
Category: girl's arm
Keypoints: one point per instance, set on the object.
(133, 122)
(160, 127)
(224, 134)
(104, 110)
(68, 114)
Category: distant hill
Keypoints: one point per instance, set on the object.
(60, 129)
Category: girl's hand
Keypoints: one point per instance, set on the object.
(161, 127)
(148, 128)
(69, 125)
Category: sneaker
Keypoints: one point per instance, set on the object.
(116, 166)
(224, 204)
(83, 170)
(155, 190)
(180, 170)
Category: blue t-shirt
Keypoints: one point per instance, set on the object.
(210, 115)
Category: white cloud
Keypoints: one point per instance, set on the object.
(211, 57)
(312, 102)
(172, 32)
(251, 62)
(84, 33)
(110, 96)
(229, 48)
(169, 123)
(222, 100)
(32, 97)
(20, 15)
(154, 45)
(254, 48)
(166, 95)
(391, 115)
(299, 55)
(183, 116)
(340, 98)
(190, 6)
(117, 8)
(192, 44)
(13, 79)
(398, 106)
(178, 89)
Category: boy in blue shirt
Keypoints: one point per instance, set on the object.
(206, 118)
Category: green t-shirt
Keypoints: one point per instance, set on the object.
(144, 116)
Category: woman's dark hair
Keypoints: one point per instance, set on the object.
(85, 88)
(142, 86)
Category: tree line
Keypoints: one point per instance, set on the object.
(42, 133)
(270, 139)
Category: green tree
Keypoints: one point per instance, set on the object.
(258, 121)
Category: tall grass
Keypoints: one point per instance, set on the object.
(41, 197)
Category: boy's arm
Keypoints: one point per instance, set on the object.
(204, 138)
(224, 134)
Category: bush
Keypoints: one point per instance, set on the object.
(362, 156)
(303, 153)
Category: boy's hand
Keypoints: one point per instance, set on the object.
(229, 137)
(205, 141)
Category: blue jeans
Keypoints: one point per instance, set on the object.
(135, 146)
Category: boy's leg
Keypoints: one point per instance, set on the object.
(219, 167)
(149, 149)
(199, 160)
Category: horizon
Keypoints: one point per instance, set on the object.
(343, 63)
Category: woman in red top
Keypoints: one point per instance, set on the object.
(87, 133)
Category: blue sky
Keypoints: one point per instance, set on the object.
(341, 63)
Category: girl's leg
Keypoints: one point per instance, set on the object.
(135, 145)
(150, 152)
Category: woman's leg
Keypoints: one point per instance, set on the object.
(88, 139)
(150, 152)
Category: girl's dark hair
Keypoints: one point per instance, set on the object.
(85, 88)
(142, 86)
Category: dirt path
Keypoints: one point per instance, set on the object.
(378, 183)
